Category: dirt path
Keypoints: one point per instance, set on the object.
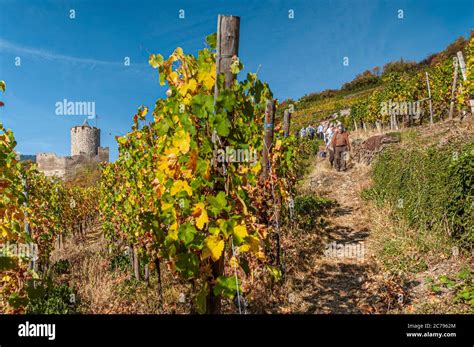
(342, 276)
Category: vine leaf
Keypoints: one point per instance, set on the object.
(214, 247)
(200, 214)
(226, 286)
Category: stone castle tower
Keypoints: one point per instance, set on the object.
(85, 150)
(85, 140)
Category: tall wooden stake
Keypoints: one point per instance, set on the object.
(453, 91)
(268, 135)
(286, 122)
(462, 65)
(136, 264)
(429, 97)
(228, 33)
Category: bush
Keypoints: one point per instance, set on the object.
(308, 208)
(430, 188)
(61, 267)
(306, 149)
(120, 261)
(55, 299)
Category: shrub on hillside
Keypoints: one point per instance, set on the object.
(308, 209)
(431, 188)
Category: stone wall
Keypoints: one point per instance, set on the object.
(103, 154)
(365, 151)
(51, 165)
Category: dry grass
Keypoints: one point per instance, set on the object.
(414, 259)
(101, 290)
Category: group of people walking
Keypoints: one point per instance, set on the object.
(336, 139)
(309, 132)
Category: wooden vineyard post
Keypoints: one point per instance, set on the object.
(268, 136)
(286, 122)
(462, 65)
(453, 91)
(136, 264)
(32, 263)
(429, 97)
(228, 33)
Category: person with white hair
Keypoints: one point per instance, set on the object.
(303, 132)
(329, 146)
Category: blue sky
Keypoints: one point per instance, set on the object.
(82, 59)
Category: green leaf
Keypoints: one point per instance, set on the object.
(236, 67)
(187, 264)
(222, 126)
(217, 203)
(186, 233)
(201, 299)
(244, 264)
(211, 40)
(275, 272)
(155, 60)
(226, 99)
(3, 86)
(464, 274)
(202, 105)
(226, 286)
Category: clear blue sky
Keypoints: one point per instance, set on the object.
(82, 59)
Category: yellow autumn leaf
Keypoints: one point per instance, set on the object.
(4, 231)
(183, 89)
(200, 214)
(165, 206)
(171, 153)
(254, 243)
(260, 255)
(213, 248)
(182, 141)
(207, 78)
(256, 168)
(173, 231)
(233, 262)
(278, 145)
(187, 173)
(240, 233)
(173, 76)
(244, 248)
(142, 112)
(243, 169)
(187, 99)
(179, 186)
(192, 85)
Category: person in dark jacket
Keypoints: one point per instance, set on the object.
(340, 142)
